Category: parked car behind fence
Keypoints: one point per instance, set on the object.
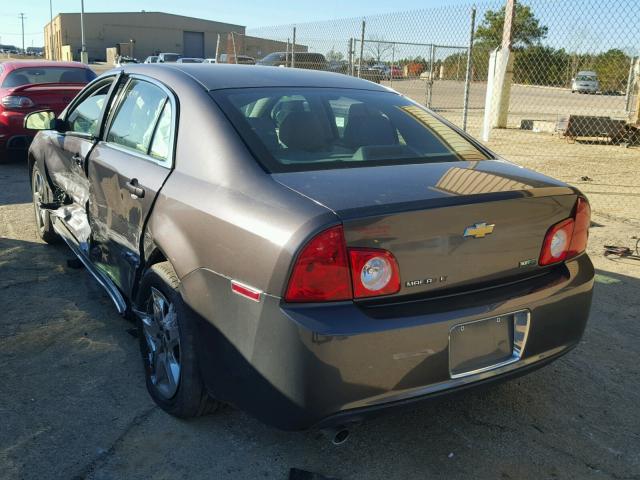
(307, 60)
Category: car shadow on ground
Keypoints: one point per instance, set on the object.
(557, 422)
(74, 401)
(10, 169)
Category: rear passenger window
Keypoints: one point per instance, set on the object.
(135, 120)
(161, 144)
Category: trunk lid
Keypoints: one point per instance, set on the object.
(448, 224)
(48, 96)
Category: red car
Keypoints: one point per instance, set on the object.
(28, 86)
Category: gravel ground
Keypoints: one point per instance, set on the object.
(73, 403)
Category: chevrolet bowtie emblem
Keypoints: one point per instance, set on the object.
(479, 230)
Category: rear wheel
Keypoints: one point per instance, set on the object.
(41, 193)
(167, 343)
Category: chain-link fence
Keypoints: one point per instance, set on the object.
(572, 62)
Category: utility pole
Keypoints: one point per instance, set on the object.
(504, 69)
(507, 29)
(51, 57)
(22, 21)
(84, 58)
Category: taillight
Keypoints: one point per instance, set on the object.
(326, 270)
(14, 101)
(321, 272)
(373, 272)
(556, 243)
(568, 238)
(582, 218)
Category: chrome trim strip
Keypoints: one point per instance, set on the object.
(113, 292)
(521, 322)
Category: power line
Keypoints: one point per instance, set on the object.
(19, 33)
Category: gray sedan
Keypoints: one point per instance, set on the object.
(308, 246)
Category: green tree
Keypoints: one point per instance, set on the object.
(540, 65)
(334, 56)
(527, 30)
(612, 68)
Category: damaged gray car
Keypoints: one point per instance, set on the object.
(308, 246)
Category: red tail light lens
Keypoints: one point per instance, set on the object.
(321, 272)
(373, 272)
(568, 238)
(325, 271)
(582, 217)
(556, 243)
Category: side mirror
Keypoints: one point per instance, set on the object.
(41, 120)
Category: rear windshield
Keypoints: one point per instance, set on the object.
(170, 57)
(586, 78)
(27, 76)
(292, 130)
(274, 57)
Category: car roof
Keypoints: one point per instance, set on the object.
(221, 76)
(8, 66)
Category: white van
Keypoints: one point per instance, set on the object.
(585, 82)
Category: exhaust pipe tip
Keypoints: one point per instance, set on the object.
(340, 437)
(337, 435)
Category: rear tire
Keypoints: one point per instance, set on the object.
(167, 334)
(40, 192)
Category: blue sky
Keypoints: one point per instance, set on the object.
(576, 25)
(252, 13)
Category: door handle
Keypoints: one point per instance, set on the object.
(134, 188)
(77, 159)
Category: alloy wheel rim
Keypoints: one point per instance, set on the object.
(162, 336)
(38, 195)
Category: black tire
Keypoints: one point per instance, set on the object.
(42, 192)
(191, 398)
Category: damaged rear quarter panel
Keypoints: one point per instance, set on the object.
(221, 211)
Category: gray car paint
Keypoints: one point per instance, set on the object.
(220, 216)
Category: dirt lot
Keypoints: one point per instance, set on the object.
(73, 403)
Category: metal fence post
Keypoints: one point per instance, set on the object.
(293, 49)
(218, 48)
(430, 79)
(467, 77)
(361, 48)
(393, 61)
(235, 54)
(349, 58)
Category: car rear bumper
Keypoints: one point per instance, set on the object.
(13, 135)
(298, 366)
(585, 89)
